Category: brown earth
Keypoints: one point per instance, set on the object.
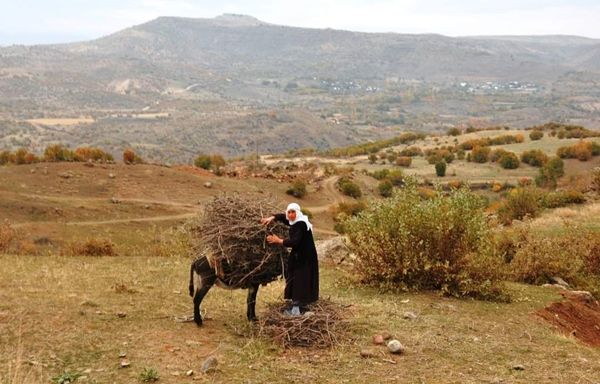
(578, 315)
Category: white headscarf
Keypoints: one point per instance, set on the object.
(299, 215)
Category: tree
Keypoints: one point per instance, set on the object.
(440, 168)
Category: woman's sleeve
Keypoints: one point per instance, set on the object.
(296, 234)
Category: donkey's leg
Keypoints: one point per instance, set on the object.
(207, 283)
(251, 302)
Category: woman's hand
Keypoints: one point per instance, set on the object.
(274, 239)
(267, 220)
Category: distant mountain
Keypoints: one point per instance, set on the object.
(239, 60)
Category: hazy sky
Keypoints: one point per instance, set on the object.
(49, 21)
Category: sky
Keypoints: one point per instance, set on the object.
(56, 21)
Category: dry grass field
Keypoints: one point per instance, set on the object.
(78, 315)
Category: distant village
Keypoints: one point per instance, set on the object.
(492, 87)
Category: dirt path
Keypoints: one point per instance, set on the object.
(331, 192)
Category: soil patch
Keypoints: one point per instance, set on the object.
(578, 315)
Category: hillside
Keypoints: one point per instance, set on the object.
(173, 87)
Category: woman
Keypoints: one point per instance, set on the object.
(302, 274)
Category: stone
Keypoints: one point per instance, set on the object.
(125, 363)
(189, 373)
(121, 314)
(334, 249)
(122, 355)
(518, 367)
(367, 353)
(409, 316)
(114, 200)
(209, 365)
(111, 176)
(386, 335)
(378, 339)
(394, 346)
(558, 280)
(208, 184)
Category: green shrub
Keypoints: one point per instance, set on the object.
(297, 189)
(534, 157)
(372, 158)
(440, 169)
(58, 152)
(454, 132)
(405, 242)
(480, 154)
(596, 179)
(573, 255)
(411, 152)
(509, 161)
(203, 161)
(385, 188)
(550, 173)
(149, 375)
(349, 187)
(561, 198)
(536, 135)
(519, 204)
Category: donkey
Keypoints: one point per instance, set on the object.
(203, 277)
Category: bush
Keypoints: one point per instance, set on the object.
(536, 135)
(574, 256)
(349, 187)
(92, 154)
(92, 247)
(596, 179)
(440, 169)
(534, 157)
(7, 236)
(520, 203)
(406, 242)
(372, 158)
(297, 189)
(480, 154)
(385, 188)
(203, 161)
(404, 161)
(130, 157)
(583, 150)
(550, 173)
(496, 154)
(454, 132)
(411, 152)
(562, 198)
(344, 211)
(509, 161)
(58, 152)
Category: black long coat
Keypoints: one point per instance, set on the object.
(302, 274)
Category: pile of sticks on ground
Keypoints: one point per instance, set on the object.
(230, 235)
(322, 325)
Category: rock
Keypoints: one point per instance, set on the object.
(559, 281)
(583, 296)
(114, 200)
(66, 175)
(518, 367)
(121, 314)
(122, 355)
(208, 184)
(409, 316)
(146, 206)
(32, 170)
(189, 373)
(553, 286)
(386, 335)
(210, 364)
(378, 339)
(88, 371)
(333, 249)
(125, 363)
(111, 176)
(366, 353)
(394, 346)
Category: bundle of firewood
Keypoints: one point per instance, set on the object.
(229, 233)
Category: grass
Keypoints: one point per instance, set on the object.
(62, 312)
